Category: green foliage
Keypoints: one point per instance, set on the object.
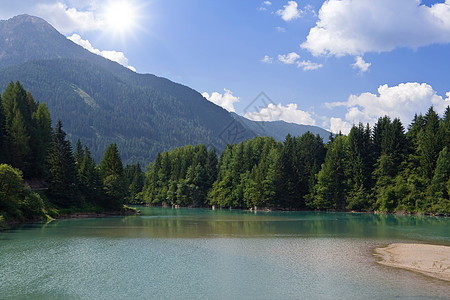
(114, 181)
(439, 190)
(135, 182)
(180, 177)
(32, 206)
(331, 188)
(377, 169)
(10, 189)
(62, 174)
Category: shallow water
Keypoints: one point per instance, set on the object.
(203, 254)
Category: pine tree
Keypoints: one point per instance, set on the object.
(429, 144)
(360, 167)
(20, 139)
(114, 182)
(91, 185)
(43, 139)
(311, 156)
(439, 190)
(330, 191)
(62, 176)
(134, 181)
(445, 128)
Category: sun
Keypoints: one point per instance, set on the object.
(120, 17)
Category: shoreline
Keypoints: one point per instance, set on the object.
(429, 260)
(75, 215)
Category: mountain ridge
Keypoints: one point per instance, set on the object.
(102, 102)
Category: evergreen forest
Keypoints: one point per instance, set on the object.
(383, 168)
(41, 176)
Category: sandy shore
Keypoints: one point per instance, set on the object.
(429, 260)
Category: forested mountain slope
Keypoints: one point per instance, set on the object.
(102, 102)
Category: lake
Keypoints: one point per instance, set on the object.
(167, 253)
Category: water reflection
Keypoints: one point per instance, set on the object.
(203, 223)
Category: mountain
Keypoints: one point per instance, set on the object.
(102, 102)
(280, 129)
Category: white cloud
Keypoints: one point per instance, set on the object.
(290, 11)
(308, 65)
(116, 56)
(361, 64)
(289, 113)
(338, 125)
(402, 101)
(355, 27)
(264, 5)
(68, 20)
(293, 58)
(226, 100)
(280, 29)
(267, 59)
(289, 59)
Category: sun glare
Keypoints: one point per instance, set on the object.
(120, 17)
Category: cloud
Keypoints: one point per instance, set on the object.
(290, 11)
(338, 125)
(280, 29)
(361, 64)
(308, 65)
(289, 113)
(355, 27)
(402, 101)
(226, 100)
(289, 59)
(267, 59)
(264, 5)
(293, 58)
(68, 20)
(116, 56)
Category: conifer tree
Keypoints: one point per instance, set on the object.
(78, 155)
(360, 167)
(330, 191)
(439, 190)
(134, 181)
(89, 178)
(62, 175)
(43, 131)
(287, 182)
(445, 128)
(111, 172)
(20, 139)
(429, 144)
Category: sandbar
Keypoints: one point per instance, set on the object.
(430, 260)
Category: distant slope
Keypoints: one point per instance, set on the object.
(280, 129)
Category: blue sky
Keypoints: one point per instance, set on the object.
(326, 63)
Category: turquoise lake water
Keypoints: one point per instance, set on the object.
(167, 253)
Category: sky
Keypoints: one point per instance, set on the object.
(327, 63)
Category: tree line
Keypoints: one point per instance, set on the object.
(380, 168)
(32, 152)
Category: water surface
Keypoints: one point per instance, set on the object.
(203, 254)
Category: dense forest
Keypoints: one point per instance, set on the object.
(61, 179)
(372, 169)
(382, 168)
